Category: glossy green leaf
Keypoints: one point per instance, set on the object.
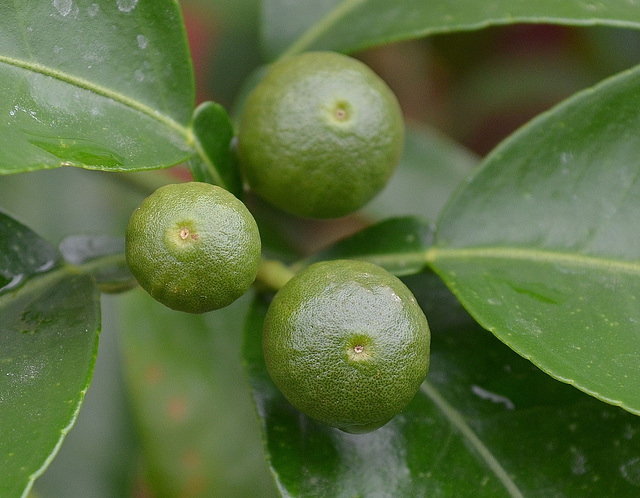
(216, 162)
(49, 324)
(349, 25)
(101, 84)
(431, 168)
(486, 423)
(191, 406)
(396, 244)
(103, 257)
(542, 245)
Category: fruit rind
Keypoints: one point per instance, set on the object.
(193, 246)
(327, 309)
(302, 155)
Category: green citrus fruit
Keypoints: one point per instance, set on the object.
(193, 246)
(347, 344)
(320, 135)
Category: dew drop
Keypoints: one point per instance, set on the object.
(631, 471)
(13, 283)
(63, 6)
(142, 41)
(579, 462)
(93, 9)
(126, 5)
(46, 266)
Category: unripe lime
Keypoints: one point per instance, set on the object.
(193, 246)
(347, 344)
(320, 135)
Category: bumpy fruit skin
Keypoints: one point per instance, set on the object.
(320, 135)
(347, 344)
(193, 246)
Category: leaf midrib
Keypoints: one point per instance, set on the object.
(435, 254)
(574, 259)
(101, 91)
(458, 421)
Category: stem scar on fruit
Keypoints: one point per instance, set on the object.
(185, 234)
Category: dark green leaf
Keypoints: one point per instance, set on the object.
(396, 244)
(49, 323)
(485, 423)
(103, 257)
(22, 254)
(193, 413)
(215, 162)
(101, 84)
(542, 245)
(349, 25)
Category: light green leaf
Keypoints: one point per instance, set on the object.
(49, 324)
(349, 25)
(486, 423)
(101, 84)
(542, 245)
(192, 410)
(431, 168)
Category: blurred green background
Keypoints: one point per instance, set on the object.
(475, 87)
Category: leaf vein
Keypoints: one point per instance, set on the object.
(458, 421)
(101, 91)
(435, 254)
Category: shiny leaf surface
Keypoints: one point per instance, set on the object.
(542, 245)
(486, 423)
(349, 25)
(49, 323)
(100, 84)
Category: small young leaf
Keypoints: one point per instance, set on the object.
(349, 25)
(49, 324)
(101, 85)
(22, 254)
(216, 161)
(542, 245)
(103, 257)
(486, 423)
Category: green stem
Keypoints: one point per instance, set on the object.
(124, 283)
(273, 274)
(108, 260)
